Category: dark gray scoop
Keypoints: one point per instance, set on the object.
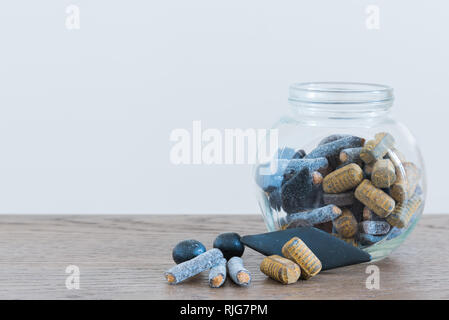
(331, 251)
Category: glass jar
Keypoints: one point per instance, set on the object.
(343, 165)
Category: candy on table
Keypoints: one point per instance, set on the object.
(297, 251)
(217, 274)
(375, 199)
(407, 180)
(351, 155)
(404, 211)
(237, 272)
(332, 252)
(343, 179)
(346, 224)
(339, 199)
(186, 250)
(229, 244)
(377, 148)
(375, 228)
(315, 216)
(192, 267)
(384, 173)
(280, 269)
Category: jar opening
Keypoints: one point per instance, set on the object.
(341, 98)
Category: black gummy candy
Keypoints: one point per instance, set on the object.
(187, 250)
(229, 243)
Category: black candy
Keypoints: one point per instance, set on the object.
(295, 192)
(187, 250)
(331, 251)
(229, 243)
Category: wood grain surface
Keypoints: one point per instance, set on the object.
(124, 257)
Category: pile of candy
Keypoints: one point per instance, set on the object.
(192, 258)
(360, 192)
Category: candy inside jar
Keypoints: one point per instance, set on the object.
(360, 187)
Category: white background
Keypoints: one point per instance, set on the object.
(85, 115)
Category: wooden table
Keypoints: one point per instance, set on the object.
(124, 257)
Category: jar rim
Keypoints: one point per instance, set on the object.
(340, 93)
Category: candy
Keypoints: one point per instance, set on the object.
(404, 212)
(396, 232)
(383, 175)
(377, 148)
(186, 250)
(229, 244)
(332, 252)
(332, 138)
(369, 215)
(352, 241)
(395, 156)
(407, 180)
(344, 186)
(368, 170)
(296, 165)
(237, 272)
(376, 228)
(343, 179)
(332, 149)
(375, 199)
(368, 239)
(346, 224)
(315, 216)
(339, 199)
(299, 154)
(280, 269)
(275, 199)
(296, 250)
(351, 155)
(217, 274)
(194, 266)
(296, 191)
(357, 210)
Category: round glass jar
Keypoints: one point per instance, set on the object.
(343, 165)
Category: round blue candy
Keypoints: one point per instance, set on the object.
(186, 250)
(229, 243)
